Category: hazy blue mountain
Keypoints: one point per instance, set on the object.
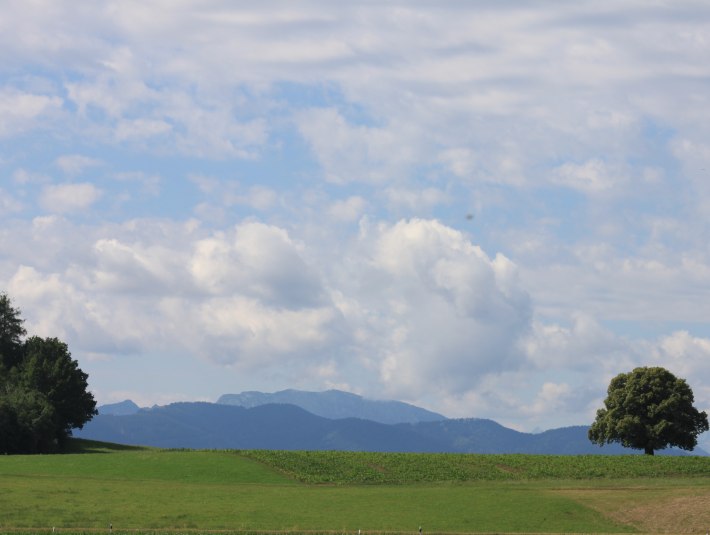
(122, 408)
(336, 404)
(287, 427)
(474, 435)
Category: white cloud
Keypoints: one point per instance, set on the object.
(254, 334)
(63, 198)
(584, 346)
(656, 285)
(135, 268)
(434, 313)
(258, 197)
(113, 95)
(592, 176)
(168, 119)
(687, 355)
(75, 164)
(67, 310)
(420, 304)
(416, 200)
(29, 285)
(259, 261)
(347, 210)
(21, 111)
(461, 161)
(222, 195)
(350, 153)
(551, 397)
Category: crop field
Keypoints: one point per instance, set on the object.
(162, 491)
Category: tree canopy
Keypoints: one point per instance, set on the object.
(43, 392)
(649, 409)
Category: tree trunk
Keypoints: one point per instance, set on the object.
(649, 450)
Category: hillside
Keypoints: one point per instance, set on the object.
(149, 490)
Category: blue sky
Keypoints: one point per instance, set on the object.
(487, 209)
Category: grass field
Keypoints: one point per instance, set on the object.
(148, 489)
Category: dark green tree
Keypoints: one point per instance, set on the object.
(11, 333)
(649, 409)
(43, 392)
(9, 427)
(26, 421)
(48, 369)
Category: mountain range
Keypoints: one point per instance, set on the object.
(252, 420)
(336, 404)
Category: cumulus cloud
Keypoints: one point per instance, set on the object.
(240, 298)
(420, 306)
(251, 334)
(258, 260)
(63, 198)
(443, 314)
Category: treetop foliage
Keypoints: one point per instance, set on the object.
(650, 409)
(43, 392)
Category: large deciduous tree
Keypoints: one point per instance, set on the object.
(43, 392)
(649, 409)
(48, 369)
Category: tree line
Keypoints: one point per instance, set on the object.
(43, 392)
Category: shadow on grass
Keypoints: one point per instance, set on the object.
(82, 445)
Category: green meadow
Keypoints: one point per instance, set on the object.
(342, 492)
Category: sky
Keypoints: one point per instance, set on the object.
(488, 209)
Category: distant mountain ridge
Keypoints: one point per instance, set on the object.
(336, 404)
(122, 408)
(201, 425)
(216, 426)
